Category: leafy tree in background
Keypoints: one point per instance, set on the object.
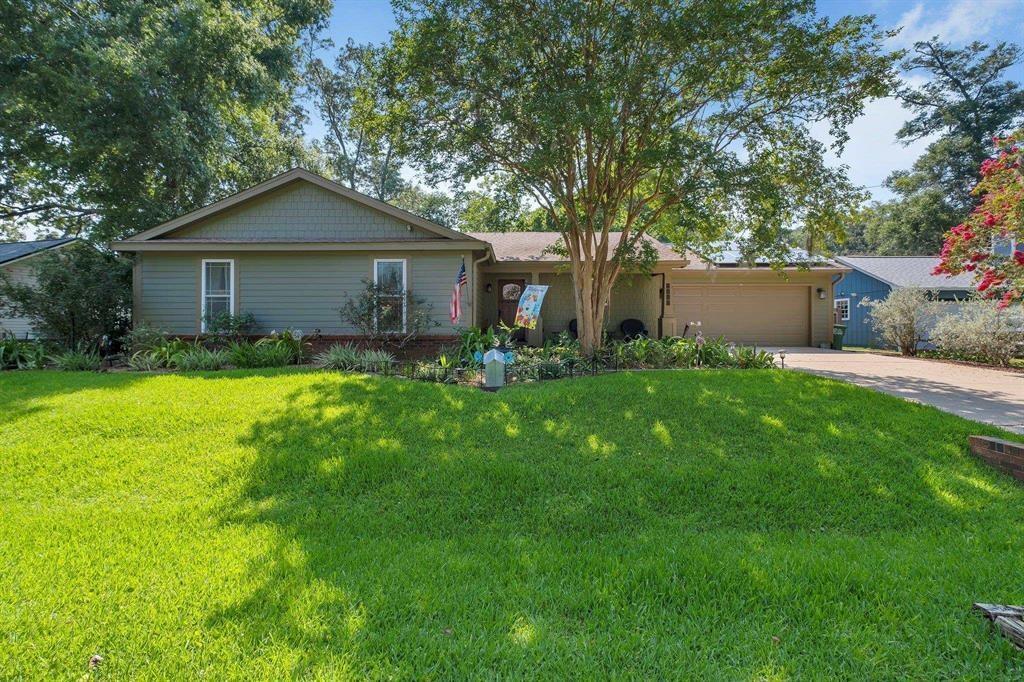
(80, 295)
(688, 118)
(500, 206)
(365, 150)
(965, 101)
(435, 205)
(118, 114)
(9, 232)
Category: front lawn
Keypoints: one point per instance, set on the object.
(721, 524)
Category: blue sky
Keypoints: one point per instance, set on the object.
(872, 152)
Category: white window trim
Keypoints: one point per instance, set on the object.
(834, 306)
(202, 288)
(1013, 244)
(405, 287)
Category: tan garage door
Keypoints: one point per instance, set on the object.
(761, 314)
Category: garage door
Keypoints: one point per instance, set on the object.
(762, 314)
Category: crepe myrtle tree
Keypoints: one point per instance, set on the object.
(687, 120)
(998, 219)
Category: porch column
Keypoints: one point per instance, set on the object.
(535, 337)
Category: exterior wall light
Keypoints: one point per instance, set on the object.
(821, 293)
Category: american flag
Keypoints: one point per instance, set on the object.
(455, 309)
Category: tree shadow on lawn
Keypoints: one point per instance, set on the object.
(600, 525)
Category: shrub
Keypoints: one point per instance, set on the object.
(980, 331)
(902, 318)
(751, 358)
(15, 354)
(439, 372)
(144, 337)
(338, 356)
(77, 361)
(229, 326)
(473, 343)
(375, 360)
(144, 361)
(713, 352)
(386, 317)
(201, 359)
(247, 355)
(166, 353)
(292, 340)
(684, 352)
(79, 296)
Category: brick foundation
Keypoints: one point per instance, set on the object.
(1004, 455)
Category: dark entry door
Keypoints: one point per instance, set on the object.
(509, 291)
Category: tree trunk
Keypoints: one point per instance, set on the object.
(591, 297)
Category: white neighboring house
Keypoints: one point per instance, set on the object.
(16, 265)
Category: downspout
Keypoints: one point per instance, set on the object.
(836, 279)
(661, 315)
(476, 284)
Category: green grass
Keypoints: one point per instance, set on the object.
(717, 524)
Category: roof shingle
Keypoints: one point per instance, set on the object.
(907, 271)
(10, 251)
(536, 246)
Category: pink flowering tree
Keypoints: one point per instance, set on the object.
(998, 216)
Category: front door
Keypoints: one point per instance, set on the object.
(509, 291)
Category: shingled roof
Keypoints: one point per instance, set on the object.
(907, 271)
(12, 251)
(513, 247)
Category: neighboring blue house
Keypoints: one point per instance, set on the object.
(875, 276)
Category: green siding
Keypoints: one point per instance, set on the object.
(301, 211)
(169, 291)
(298, 290)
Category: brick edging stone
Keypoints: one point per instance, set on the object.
(1004, 455)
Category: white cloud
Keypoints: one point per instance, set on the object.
(873, 152)
(963, 21)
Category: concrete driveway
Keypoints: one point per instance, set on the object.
(986, 395)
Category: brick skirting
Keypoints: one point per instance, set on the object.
(1004, 455)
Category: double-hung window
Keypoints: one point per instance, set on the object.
(389, 276)
(218, 289)
(843, 309)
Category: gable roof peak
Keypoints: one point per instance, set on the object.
(285, 178)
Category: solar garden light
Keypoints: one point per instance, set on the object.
(782, 357)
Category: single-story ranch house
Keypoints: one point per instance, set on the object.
(875, 277)
(291, 250)
(16, 266)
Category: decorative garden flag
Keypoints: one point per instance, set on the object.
(455, 307)
(529, 306)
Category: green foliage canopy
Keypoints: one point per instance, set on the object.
(966, 101)
(118, 114)
(691, 117)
